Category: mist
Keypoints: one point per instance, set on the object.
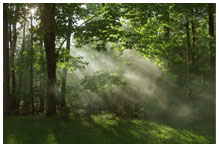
(147, 88)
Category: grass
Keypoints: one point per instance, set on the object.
(96, 129)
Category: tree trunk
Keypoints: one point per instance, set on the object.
(42, 82)
(49, 41)
(31, 68)
(42, 88)
(188, 45)
(21, 64)
(188, 57)
(6, 84)
(193, 64)
(14, 102)
(212, 47)
(65, 70)
(166, 27)
(64, 77)
(22, 57)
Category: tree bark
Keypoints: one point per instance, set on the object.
(188, 45)
(22, 56)
(31, 67)
(63, 90)
(42, 88)
(6, 84)
(49, 41)
(65, 70)
(166, 27)
(193, 64)
(188, 68)
(212, 47)
(42, 83)
(14, 102)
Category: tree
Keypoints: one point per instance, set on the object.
(14, 101)
(31, 64)
(48, 20)
(6, 87)
(22, 56)
(65, 70)
(42, 79)
(211, 8)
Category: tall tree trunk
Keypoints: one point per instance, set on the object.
(25, 102)
(21, 64)
(197, 52)
(31, 67)
(10, 48)
(49, 41)
(166, 27)
(193, 49)
(188, 45)
(6, 84)
(42, 88)
(14, 102)
(211, 8)
(22, 56)
(63, 90)
(42, 82)
(167, 40)
(188, 56)
(65, 70)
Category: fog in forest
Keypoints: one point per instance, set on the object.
(142, 87)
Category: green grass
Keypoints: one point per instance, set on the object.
(95, 129)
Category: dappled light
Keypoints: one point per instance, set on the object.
(106, 127)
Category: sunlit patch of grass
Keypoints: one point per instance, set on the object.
(106, 120)
(11, 139)
(50, 138)
(164, 134)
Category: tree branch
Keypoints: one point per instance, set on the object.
(201, 15)
(92, 17)
(57, 53)
(87, 21)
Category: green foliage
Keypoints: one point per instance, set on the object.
(103, 82)
(65, 60)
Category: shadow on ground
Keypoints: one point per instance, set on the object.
(95, 129)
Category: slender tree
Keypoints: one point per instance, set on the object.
(14, 101)
(31, 64)
(193, 48)
(6, 87)
(42, 80)
(65, 70)
(211, 33)
(22, 55)
(188, 66)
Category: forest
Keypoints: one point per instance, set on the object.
(109, 73)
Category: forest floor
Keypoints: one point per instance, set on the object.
(102, 129)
